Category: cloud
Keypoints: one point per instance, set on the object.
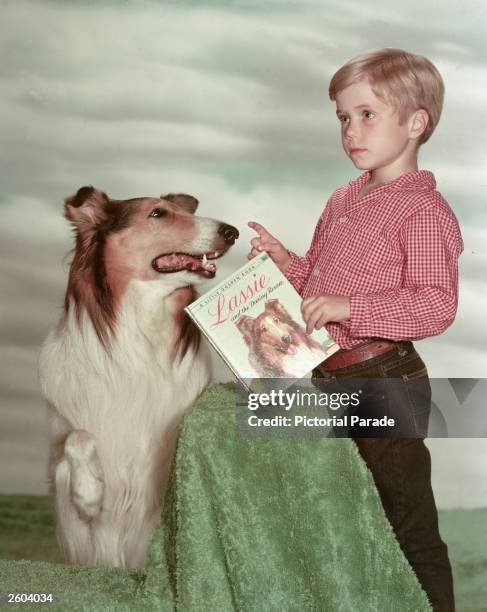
(107, 91)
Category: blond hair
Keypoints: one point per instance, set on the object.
(407, 81)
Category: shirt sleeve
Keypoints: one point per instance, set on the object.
(426, 303)
(300, 268)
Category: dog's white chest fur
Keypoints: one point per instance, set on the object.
(128, 402)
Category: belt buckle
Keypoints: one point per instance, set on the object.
(401, 350)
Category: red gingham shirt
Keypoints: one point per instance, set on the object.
(394, 252)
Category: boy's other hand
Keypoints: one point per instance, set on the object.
(320, 309)
(265, 241)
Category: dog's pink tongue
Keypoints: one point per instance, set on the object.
(180, 261)
(292, 349)
(177, 262)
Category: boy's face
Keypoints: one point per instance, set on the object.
(370, 130)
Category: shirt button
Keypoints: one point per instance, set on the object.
(316, 271)
(343, 219)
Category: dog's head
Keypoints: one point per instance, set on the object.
(144, 239)
(148, 237)
(271, 329)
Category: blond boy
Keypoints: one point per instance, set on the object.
(382, 271)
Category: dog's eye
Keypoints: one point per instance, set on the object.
(263, 329)
(158, 212)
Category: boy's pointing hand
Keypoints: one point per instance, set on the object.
(265, 241)
(320, 309)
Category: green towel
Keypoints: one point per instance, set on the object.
(281, 524)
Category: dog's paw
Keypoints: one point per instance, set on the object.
(88, 503)
(87, 484)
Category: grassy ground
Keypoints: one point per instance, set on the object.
(27, 529)
(27, 532)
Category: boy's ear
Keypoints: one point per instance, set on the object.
(418, 123)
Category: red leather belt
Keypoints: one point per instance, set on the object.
(344, 358)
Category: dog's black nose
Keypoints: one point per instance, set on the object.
(228, 233)
(286, 339)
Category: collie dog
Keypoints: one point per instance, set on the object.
(122, 365)
(279, 347)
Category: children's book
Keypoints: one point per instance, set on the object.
(253, 320)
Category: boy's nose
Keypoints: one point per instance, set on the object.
(351, 130)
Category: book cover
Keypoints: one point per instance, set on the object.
(253, 320)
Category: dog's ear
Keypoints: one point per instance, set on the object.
(245, 325)
(277, 308)
(186, 202)
(86, 209)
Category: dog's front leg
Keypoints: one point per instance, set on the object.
(77, 483)
(86, 474)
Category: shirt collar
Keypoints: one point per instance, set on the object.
(414, 180)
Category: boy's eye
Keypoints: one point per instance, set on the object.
(342, 119)
(369, 114)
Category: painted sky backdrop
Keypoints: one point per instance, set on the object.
(227, 101)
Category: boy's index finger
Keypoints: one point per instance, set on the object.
(260, 229)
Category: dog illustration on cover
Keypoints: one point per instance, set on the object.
(279, 347)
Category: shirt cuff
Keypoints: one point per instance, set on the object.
(294, 267)
(359, 314)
